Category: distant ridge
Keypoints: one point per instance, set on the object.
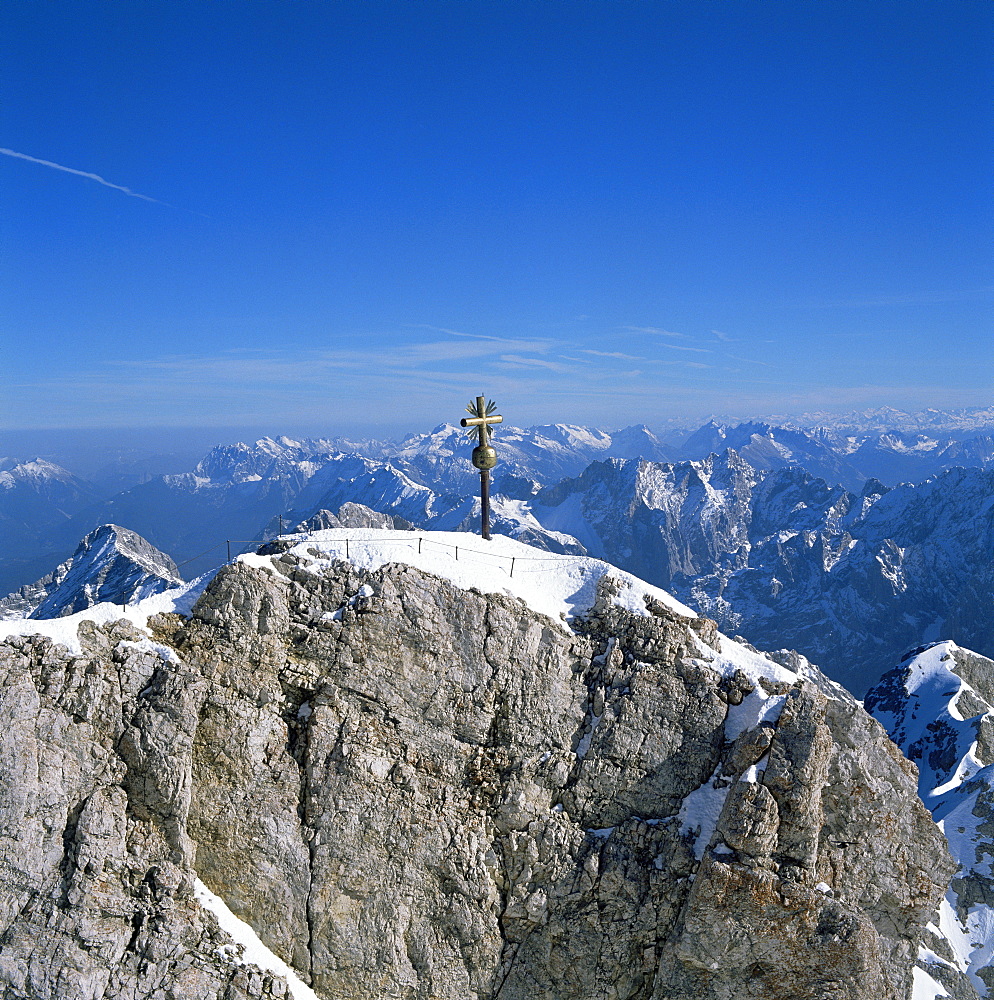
(111, 564)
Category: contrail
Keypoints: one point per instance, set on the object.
(79, 173)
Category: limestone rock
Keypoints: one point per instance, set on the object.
(353, 515)
(442, 794)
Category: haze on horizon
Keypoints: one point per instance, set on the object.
(356, 216)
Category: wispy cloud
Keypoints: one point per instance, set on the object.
(723, 337)
(538, 344)
(451, 333)
(80, 173)
(659, 331)
(696, 350)
(613, 354)
(750, 361)
(517, 361)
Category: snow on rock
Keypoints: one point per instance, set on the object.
(558, 586)
(924, 987)
(64, 630)
(254, 951)
(938, 707)
(700, 812)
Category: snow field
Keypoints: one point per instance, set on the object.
(556, 586)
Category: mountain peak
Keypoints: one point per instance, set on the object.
(111, 564)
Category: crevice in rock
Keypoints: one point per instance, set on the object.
(67, 865)
(296, 715)
(137, 923)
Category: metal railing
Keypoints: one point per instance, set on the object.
(417, 542)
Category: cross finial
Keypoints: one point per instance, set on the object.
(483, 417)
(484, 455)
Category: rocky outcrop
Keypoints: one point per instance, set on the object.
(111, 564)
(353, 515)
(938, 706)
(416, 791)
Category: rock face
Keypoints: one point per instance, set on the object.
(416, 791)
(110, 564)
(353, 515)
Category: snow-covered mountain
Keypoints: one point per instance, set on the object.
(885, 419)
(938, 707)
(230, 494)
(766, 447)
(111, 564)
(850, 576)
(842, 457)
(37, 500)
(896, 457)
(785, 558)
(383, 487)
(237, 490)
(403, 763)
(542, 454)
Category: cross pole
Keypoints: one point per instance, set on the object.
(484, 456)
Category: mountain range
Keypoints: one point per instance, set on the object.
(774, 531)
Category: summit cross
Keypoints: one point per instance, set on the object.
(484, 455)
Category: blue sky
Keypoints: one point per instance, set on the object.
(333, 216)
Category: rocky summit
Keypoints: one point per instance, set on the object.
(408, 782)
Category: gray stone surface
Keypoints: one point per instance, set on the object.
(441, 794)
(353, 515)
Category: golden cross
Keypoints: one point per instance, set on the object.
(484, 456)
(483, 417)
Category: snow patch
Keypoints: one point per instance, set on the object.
(924, 987)
(255, 952)
(557, 586)
(65, 630)
(700, 812)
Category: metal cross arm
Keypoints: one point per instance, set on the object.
(483, 417)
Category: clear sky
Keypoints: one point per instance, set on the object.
(326, 216)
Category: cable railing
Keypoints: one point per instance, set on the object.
(418, 542)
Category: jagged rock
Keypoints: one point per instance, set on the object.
(447, 796)
(110, 564)
(353, 515)
(938, 706)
